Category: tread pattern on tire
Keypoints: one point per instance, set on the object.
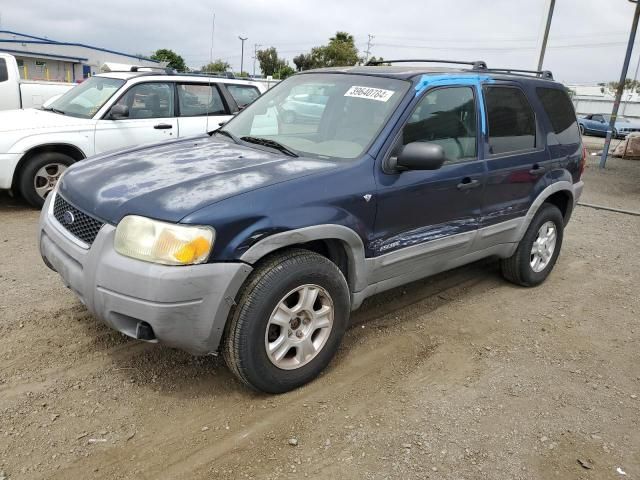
(259, 279)
(512, 267)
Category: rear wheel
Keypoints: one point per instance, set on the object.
(40, 175)
(538, 250)
(581, 129)
(290, 319)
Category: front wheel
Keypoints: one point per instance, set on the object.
(290, 319)
(40, 175)
(538, 250)
(581, 129)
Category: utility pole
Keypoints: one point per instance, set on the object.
(623, 76)
(255, 56)
(369, 45)
(542, 40)
(242, 39)
(213, 29)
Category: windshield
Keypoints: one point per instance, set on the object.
(86, 99)
(321, 114)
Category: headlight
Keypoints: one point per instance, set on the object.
(161, 242)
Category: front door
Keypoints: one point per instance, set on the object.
(428, 217)
(201, 108)
(150, 118)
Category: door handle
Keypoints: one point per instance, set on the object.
(468, 184)
(537, 170)
(163, 126)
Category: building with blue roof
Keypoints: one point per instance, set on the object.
(41, 58)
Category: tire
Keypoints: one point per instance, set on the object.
(280, 283)
(581, 129)
(40, 175)
(519, 268)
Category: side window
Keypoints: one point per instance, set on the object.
(200, 99)
(447, 117)
(597, 118)
(512, 124)
(243, 94)
(149, 100)
(4, 74)
(559, 109)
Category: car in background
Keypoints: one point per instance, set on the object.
(304, 106)
(107, 112)
(598, 123)
(18, 93)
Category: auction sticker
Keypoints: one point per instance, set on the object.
(378, 94)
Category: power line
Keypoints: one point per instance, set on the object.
(369, 45)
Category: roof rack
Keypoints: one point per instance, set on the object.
(477, 65)
(158, 70)
(546, 74)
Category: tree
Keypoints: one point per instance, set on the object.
(341, 51)
(218, 66)
(629, 84)
(377, 59)
(270, 63)
(284, 72)
(305, 61)
(173, 60)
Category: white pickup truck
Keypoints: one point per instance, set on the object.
(17, 93)
(107, 112)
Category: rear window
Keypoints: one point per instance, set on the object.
(512, 124)
(4, 74)
(243, 94)
(559, 109)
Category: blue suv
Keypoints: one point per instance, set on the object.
(258, 239)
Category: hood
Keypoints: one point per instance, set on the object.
(171, 180)
(32, 119)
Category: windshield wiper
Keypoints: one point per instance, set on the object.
(54, 110)
(270, 143)
(226, 134)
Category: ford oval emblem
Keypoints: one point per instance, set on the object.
(68, 218)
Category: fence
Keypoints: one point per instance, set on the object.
(587, 105)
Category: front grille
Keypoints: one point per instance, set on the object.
(75, 221)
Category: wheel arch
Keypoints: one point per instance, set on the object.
(65, 148)
(560, 194)
(338, 243)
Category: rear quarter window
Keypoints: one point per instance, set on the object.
(243, 94)
(558, 107)
(4, 73)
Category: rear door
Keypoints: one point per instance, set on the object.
(516, 159)
(427, 217)
(598, 124)
(151, 118)
(201, 108)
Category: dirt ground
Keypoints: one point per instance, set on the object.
(461, 376)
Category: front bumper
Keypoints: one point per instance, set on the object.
(186, 306)
(8, 164)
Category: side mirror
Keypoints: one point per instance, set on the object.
(419, 156)
(119, 112)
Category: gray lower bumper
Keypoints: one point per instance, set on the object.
(187, 307)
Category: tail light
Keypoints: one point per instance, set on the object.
(583, 162)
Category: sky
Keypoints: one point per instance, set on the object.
(586, 44)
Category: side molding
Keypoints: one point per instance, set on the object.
(350, 239)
